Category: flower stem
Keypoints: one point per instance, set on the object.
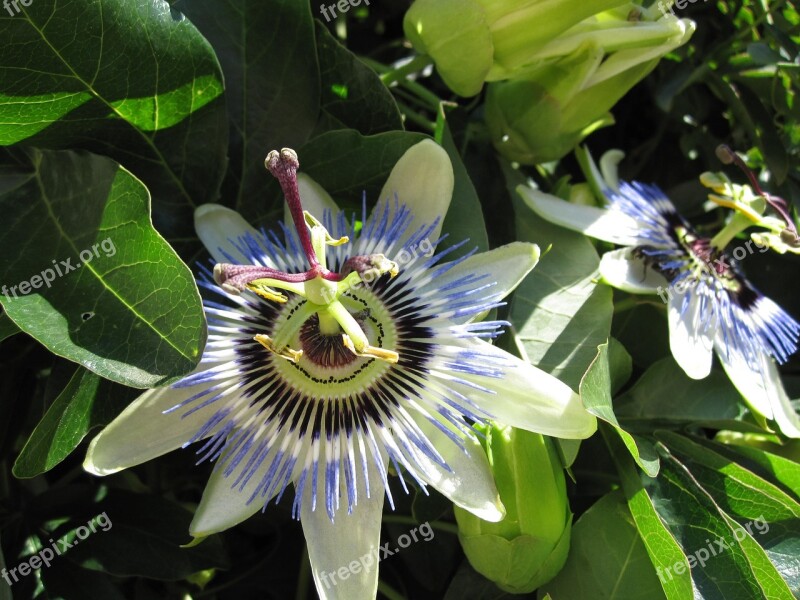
(736, 225)
(415, 64)
(420, 91)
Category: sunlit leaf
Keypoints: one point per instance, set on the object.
(92, 280)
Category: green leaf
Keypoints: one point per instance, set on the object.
(769, 515)
(67, 581)
(464, 219)
(607, 559)
(7, 327)
(468, 584)
(144, 538)
(132, 80)
(271, 80)
(350, 91)
(561, 316)
(629, 325)
(783, 470)
(661, 545)
(721, 565)
(620, 365)
(595, 391)
(92, 280)
(87, 402)
(665, 395)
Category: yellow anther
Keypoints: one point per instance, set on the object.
(368, 351)
(266, 292)
(287, 353)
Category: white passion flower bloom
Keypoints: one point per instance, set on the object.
(710, 304)
(335, 353)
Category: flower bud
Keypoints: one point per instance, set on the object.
(528, 547)
(472, 41)
(542, 115)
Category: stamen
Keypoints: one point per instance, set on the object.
(287, 353)
(266, 292)
(370, 266)
(368, 351)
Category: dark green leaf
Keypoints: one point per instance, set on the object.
(5, 588)
(464, 219)
(561, 316)
(87, 402)
(145, 538)
(628, 328)
(768, 514)
(351, 92)
(607, 559)
(721, 565)
(468, 584)
(271, 81)
(620, 365)
(664, 394)
(133, 80)
(67, 581)
(7, 327)
(91, 278)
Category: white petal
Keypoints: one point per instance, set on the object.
(314, 198)
(599, 223)
(142, 432)
(422, 180)
(469, 483)
(529, 398)
(784, 414)
(343, 553)
(751, 382)
(217, 226)
(506, 266)
(691, 336)
(224, 504)
(624, 271)
(761, 388)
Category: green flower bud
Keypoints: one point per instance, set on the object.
(542, 115)
(529, 547)
(472, 41)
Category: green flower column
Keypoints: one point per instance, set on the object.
(529, 547)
